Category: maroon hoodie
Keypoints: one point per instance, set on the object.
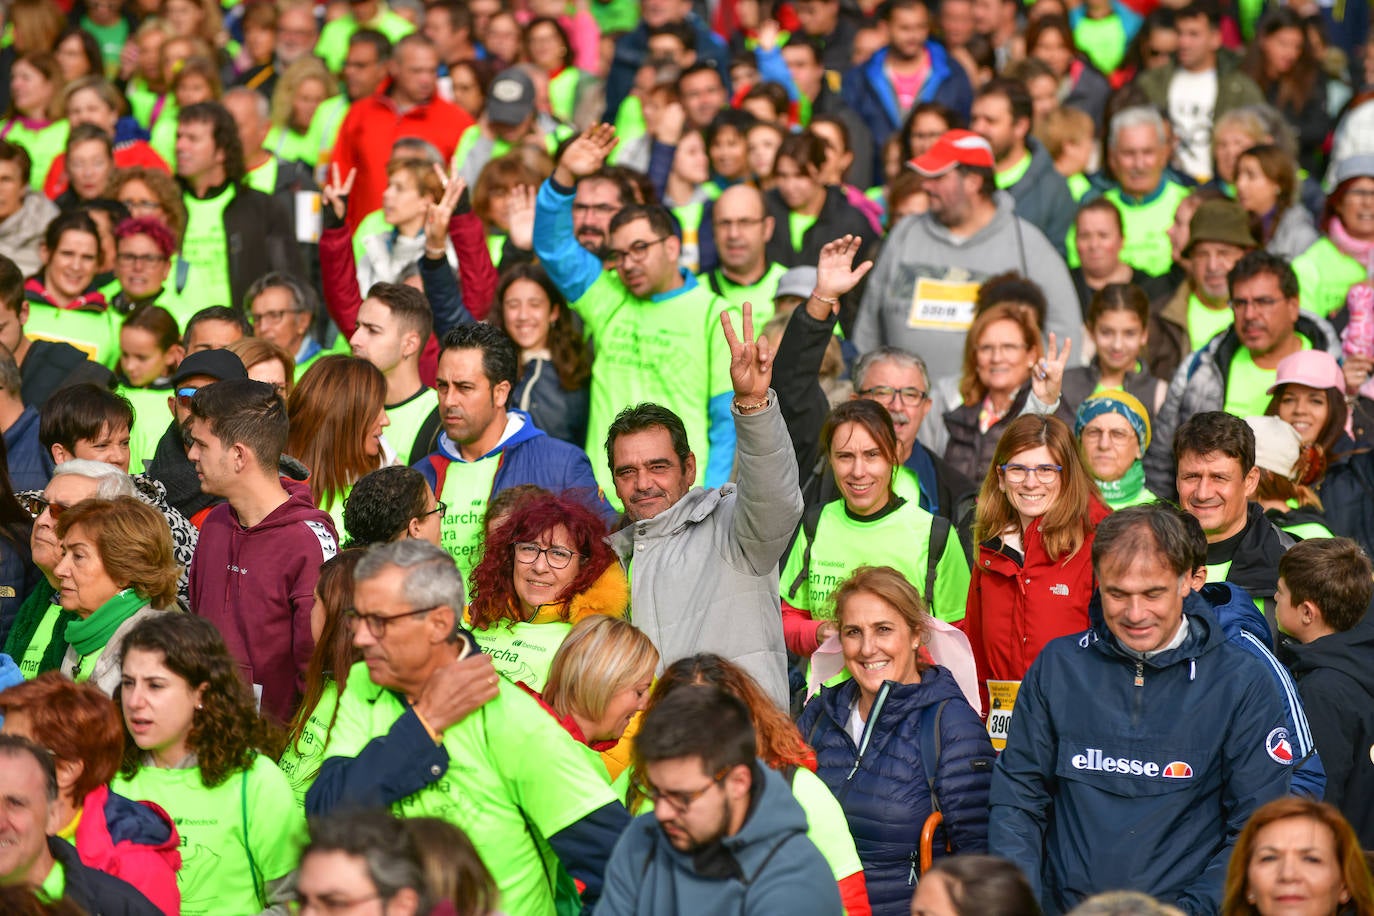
(257, 585)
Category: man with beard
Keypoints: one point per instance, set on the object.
(1237, 367)
(725, 834)
(654, 323)
(485, 447)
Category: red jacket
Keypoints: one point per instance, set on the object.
(135, 842)
(126, 155)
(372, 125)
(1014, 608)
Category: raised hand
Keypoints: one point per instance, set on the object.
(437, 216)
(1047, 374)
(1356, 370)
(520, 216)
(836, 275)
(586, 154)
(335, 192)
(751, 361)
(769, 32)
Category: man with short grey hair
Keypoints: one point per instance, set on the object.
(426, 727)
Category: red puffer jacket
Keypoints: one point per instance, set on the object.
(135, 842)
(1015, 608)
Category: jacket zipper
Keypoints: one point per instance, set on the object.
(867, 733)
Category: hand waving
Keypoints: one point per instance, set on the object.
(751, 361)
(437, 216)
(520, 216)
(836, 275)
(335, 192)
(586, 154)
(1047, 375)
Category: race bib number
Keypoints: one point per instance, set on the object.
(942, 305)
(1001, 702)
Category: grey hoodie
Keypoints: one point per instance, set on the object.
(1043, 198)
(920, 248)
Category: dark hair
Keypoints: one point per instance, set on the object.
(679, 29)
(1216, 431)
(331, 412)
(1012, 288)
(1104, 206)
(158, 322)
(13, 152)
(1294, 88)
(701, 66)
(806, 149)
(459, 16)
(773, 93)
(15, 746)
(71, 221)
(219, 313)
(735, 119)
(558, 29)
(1160, 19)
(661, 222)
(1320, 452)
(225, 132)
(799, 39)
(242, 410)
(79, 412)
(634, 186)
(985, 886)
(75, 722)
(493, 595)
(642, 418)
(1119, 297)
(697, 721)
(90, 49)
(571, 357)
(334, 654)
(226, 733)
(1152, 530)
(380, 839)
(1196, 8)
(454, 872)
(408, 306)
(869, 416)
(1052, 22)
(379, 42)
(499, 360)
(885, 10)
(11, 283)
(1280, 167)
(507, 502)
(383, 503)
(1332, 573)
(1015, 92)
(1197, 537)
(89, 133)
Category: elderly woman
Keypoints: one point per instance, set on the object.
(1113, 432)
(545, 569)
(133, 841)
(116, 570)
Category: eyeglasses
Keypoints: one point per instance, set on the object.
(1017, 473)
(440, 507)
(1360, 193)
(558, 557)
(730, 225)
(143, 205)
(377, 623)
(273, 317)
(634, 254)
(1115, 436)
(678, 801)
(1007, 349)
(1264, 303)
(140, 260)
(184, 396)
(602, 209)
(34, 504)
(910, 394)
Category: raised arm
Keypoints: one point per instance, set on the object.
(572, 268)
(338, 270)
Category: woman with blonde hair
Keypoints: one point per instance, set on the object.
(600, 678)
(266, 362)
(1033, 577)
(1297, 847)
(337, 412)
(454, 872)
(299, 92)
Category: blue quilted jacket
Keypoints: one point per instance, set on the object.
(881, 783)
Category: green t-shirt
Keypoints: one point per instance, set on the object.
(1204, 323)
(1103, 41)
(1325, 275)
(286, 144)
(43, 145)
(1079, 185)
(205, 249)
(300, 762)
(498, 787)
(94, 333)
(827, 825)
(54, 886)
(668, 350)
(899, 539)
(142, 101)
(1014, 174)
(111, 39)
(215, 879)
(324, 126)
(332, 45)
(466, 490)
(759, 294)
(264, 177)
(32, 658)
(162, 136)
(151, 417)
(407, 418)
(1247, 384)
(797, 226)
(1146, 246)
(523, 651)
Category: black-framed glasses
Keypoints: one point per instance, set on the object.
(35, 503)
(634, 254)
(910, 394)
(440, 508)
(377, 623)
(678, 801)
(558, 557)
(1017, 473)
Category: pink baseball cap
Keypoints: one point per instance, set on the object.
(1313, 368)
(954, 148)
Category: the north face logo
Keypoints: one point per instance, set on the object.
(1060, 589)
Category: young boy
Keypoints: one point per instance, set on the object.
(1324, 589)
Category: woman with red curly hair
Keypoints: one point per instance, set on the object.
(545, 568)
(135, 842)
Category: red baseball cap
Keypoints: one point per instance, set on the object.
(955, 147)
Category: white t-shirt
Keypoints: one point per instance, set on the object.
(1192, 101)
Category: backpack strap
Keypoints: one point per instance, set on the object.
(935, 551)
(930, 751)
(811, 520)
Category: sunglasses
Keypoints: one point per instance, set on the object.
(184, 396)
(35, 504)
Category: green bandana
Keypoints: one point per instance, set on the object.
(92, 634)
(1116, 492)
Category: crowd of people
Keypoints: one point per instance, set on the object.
(531, 457)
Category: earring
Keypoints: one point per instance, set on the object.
(200, 706)
(1250, 898)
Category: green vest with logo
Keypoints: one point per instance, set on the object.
(94, 333)
(205, 249)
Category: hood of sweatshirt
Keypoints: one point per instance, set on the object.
(519, 428)
(1347, 652)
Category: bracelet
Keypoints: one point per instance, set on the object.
(826, 300)
(435, 254)
(751, 408)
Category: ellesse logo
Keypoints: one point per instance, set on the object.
(1092, 759)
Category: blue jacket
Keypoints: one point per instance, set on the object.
(529, 456)
(867, 90)
(881, 782)
(9, 676)
(30, 464)
(768, 867)
(1138, 773)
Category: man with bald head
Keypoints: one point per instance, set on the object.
(265, 172)
(742, 228)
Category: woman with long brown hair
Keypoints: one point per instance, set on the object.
(337, 413)
(1282, 62)
(1267, 187)
(1033, 577)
